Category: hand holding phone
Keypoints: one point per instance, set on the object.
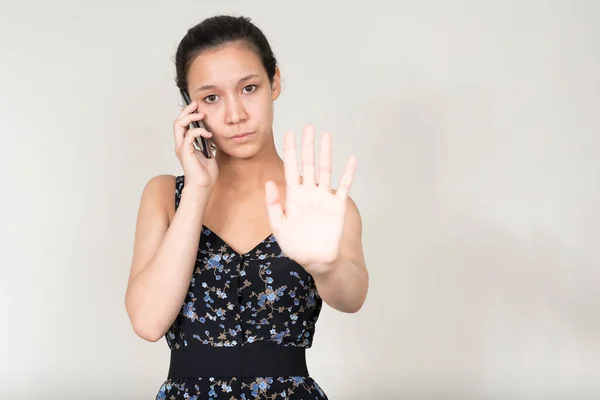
(200, 170)
(202, 143)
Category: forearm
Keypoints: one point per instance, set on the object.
(344, 286)
(157, 293)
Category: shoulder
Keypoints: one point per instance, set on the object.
(159, 193)
(159, 185)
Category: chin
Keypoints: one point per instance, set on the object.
(242, 152)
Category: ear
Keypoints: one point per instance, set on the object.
(276, 85)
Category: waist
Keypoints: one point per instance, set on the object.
(243, 361)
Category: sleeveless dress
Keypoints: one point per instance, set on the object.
(259, 298)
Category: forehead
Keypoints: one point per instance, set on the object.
(224, 66)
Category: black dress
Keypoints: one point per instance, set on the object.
(243, 313)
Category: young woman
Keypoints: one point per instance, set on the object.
(233, 259)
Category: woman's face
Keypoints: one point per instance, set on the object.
(234, 92)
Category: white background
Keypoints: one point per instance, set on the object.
(476, 126)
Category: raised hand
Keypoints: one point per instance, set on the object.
(309, 225)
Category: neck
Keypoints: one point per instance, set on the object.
(242, 176)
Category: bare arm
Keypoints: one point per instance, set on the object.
(345, 285)
(164, 255)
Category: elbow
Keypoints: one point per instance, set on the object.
(144, 327)
(353, 309)
(347, 307)
(357, 305)
(147, 331)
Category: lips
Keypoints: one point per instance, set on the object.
(242, 135)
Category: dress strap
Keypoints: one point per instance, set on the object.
(179, 182)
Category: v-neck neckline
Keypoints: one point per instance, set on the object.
(238, 253)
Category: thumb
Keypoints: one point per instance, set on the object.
(274, 206)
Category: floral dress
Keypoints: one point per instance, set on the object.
(259, 298)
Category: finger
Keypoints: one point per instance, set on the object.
(308, 156)
(346, 180)
(188, 109)
(274, 206)
(193, 134)
(290, 163)
(178, 134)
(186, 120)
(196, 132)
(179, 127)
(199, 132)
(325, 162)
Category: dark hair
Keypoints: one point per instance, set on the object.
(218, 31)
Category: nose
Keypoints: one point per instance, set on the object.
(235, 111)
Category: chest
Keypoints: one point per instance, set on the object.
(242, 225)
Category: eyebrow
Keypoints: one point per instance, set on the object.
(245, 78)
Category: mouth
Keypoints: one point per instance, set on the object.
(241, 136)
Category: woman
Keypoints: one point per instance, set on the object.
(233, 259)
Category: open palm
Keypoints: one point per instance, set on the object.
(309, 226)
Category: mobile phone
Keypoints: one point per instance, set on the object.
(201, 142)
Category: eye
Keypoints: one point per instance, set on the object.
(249, 89)
(211, 98)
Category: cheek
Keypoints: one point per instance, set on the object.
(261, 110)
(213, 119)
